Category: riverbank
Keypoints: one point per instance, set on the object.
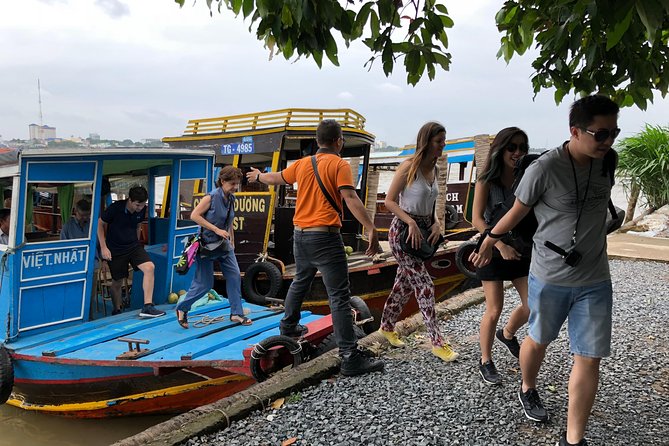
(422, 401)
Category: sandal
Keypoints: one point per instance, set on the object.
(183, 321)
(241, 319)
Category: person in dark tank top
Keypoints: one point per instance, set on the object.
(493, 197)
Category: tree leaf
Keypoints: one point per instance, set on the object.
(620, 28)
(277, 403)
(289, 441)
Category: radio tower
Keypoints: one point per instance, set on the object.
(39, 98)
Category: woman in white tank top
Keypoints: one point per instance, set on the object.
(411, 198)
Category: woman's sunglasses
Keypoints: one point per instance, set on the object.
(512, 147)
(603, 134)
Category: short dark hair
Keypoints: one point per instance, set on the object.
(228, 173)
(583, 111)
(328, 132)
(138, 194)
(83, 206)
(4, 214)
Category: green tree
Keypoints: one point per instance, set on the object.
(644, 165)
(615, 47)
(305, 28)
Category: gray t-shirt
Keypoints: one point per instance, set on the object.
(548, 185)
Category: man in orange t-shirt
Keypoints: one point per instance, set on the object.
(318, 245)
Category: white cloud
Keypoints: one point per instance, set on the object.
(389, 87)
(142, 71)
(113, 8)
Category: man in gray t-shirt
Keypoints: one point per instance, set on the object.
(568, 188)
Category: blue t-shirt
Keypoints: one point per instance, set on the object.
(122, 227)
(72, 230)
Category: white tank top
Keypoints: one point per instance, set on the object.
(419, 198)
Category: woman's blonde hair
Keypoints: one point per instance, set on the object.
(425, 135)
(228, 173)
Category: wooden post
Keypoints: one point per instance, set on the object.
(442, 185)
(481, 149)
(372, 192)
(355, 166)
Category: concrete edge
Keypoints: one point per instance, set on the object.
(219, 415)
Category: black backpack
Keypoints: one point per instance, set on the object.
(528, 225)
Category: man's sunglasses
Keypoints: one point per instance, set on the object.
(603, 134)
(512, 147)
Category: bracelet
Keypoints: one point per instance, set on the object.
(258, 178)
(491, 235)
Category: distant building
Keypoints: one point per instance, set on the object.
(94, 137)
(152, 141)
(41, 133)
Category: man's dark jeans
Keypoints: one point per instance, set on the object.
(324, 252)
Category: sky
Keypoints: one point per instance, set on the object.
(141, 69)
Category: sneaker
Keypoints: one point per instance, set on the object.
(358, 363)
(563, 441)
(532, 406)
(512, 344)
(115, 312)
(489, 373)
(393, 338)
(445, 353)
(149, 310)
(297, 332)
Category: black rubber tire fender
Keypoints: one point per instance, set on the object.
(451, 219)
(251, 276)
(6, 375)
(359, 305)
(263, 347)
(462, 259)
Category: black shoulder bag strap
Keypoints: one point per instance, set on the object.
(323, 189)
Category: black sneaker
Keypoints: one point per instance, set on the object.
(358, 363)
(489, 373)
(297, 332)
(532, 406)
(115, 312)
(512, 344)
(563, 441)
(149, 310)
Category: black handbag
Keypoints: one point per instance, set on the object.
(426, 250)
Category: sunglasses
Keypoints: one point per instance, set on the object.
(512, 147)
(603, 134)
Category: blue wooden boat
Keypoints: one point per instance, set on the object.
(60, 353)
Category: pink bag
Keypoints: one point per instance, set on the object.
(188, 255)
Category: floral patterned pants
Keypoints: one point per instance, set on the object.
(412, 279)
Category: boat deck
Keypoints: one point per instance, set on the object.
(212, 338)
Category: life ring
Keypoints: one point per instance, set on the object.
(451, 217)
(262, 349)
(462, 259)
(363, 313)
(6, 375)
(257, 291)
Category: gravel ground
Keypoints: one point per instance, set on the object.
(419, 400)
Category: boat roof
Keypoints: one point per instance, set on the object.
(458, 150)
(272, 121)
(9, 158)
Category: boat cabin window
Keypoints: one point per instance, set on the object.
(190, 194)
(51, 206)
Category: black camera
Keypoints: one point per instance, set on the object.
(571, 258)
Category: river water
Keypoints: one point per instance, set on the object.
(20, 427)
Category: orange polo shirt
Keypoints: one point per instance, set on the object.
(312, 208)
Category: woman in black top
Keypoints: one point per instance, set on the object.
(493, 197)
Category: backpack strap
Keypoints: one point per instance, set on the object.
(331, 200)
